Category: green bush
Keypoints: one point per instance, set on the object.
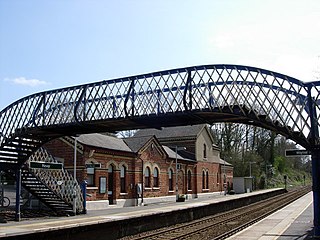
(280, 164)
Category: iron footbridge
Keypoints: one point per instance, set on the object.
(184, 96)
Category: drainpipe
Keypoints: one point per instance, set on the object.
(142, 182)
(75, 176)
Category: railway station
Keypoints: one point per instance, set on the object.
(187, 96)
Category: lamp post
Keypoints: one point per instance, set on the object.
(224, 177)
(267, 166)
(75, 176)
(250, 163)
(285, 182)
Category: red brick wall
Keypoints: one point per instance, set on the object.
(152, 155)
(213, 169)
(58, 148)
(61, 149)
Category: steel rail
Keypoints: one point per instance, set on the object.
(201, 227)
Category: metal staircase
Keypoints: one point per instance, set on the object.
(45, 195)
(54, 188)
(16, 151)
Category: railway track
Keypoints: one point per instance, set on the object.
(223, 225)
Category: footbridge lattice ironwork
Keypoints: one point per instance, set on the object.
(211, 93)
(184, 96)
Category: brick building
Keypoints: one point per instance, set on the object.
(143, 168)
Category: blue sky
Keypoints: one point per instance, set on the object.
(57, 43)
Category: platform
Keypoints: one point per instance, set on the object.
(294, 221)
(14, 230)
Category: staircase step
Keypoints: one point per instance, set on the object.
(30, 180)
(41, 191)
(15, 148)
(12, 154)
(48, 195)
(8, 159)
(58, 204)
(24, 141)
(30, 183)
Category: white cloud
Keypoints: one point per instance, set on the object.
(26, 82)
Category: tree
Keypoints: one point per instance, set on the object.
(241, 144)
(280, 164)
(126, 134)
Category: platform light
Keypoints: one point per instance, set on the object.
(75, 176)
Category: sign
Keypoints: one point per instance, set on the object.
(59, 182)
(297, 152)
(93, 165)
(46, 165)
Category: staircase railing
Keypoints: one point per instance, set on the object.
(60, 181)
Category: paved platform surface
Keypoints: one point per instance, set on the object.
(114, 214)
(294, 221)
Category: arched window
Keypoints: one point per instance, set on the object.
(123, 172)
(147, 177)
(207, 180)
(189, 180)
(204, 150)
(156, 177)
(170, 180)
(203, 180)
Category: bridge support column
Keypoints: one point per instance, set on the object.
(316, 190)
(18, 194)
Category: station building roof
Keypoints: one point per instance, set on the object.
(104, 141)
(171, 132)
(134, 144)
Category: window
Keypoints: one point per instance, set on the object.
(170, 180)
(156, 177)
(90, 167)
(207, 180)
(90, 176)
(123, 172)
(189, 180)
(147, 177)
(204, 150)
(203, 180)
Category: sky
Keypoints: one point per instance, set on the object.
(58, 43)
